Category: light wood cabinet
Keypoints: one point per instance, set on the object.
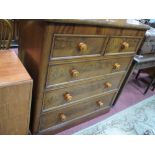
(15, 95)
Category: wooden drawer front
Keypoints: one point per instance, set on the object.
(118, 45)
(62, 73)
(73, 111)
(81, 90)
(72, 45)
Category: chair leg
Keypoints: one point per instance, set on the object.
(136, 77)
(152, 81)
(153, 87)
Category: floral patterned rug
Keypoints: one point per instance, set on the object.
(135, 120)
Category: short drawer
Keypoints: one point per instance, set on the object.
(74, 111)
(63, 72)
(81, 90)
(117, 45)
(77, 45)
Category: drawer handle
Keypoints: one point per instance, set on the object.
(125, 45)
(62, 117)
(116, 66)
(75, 73)
(82, 47)
(100, 103)
(108, 85)
(68, 97)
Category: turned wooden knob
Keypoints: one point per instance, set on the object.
(62, 117)
(125, 45)
(75, 73)
(108, 85)
(68, 97)
(82, 47)
(116, 66)
(100, 103)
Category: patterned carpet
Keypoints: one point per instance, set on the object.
(135, 120)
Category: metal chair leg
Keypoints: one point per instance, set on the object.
(152, 81)
(153, 87)
(139, 71)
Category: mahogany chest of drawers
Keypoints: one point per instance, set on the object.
(78, 67)
(15, 95)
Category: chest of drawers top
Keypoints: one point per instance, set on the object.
(114, 23)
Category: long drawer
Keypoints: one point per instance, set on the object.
(81, 90)
(73, 111)
(77, 45)
(64, 71)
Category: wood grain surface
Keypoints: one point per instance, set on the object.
(75, 110)
(60, 73)
(15, 95)
(11, 69)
